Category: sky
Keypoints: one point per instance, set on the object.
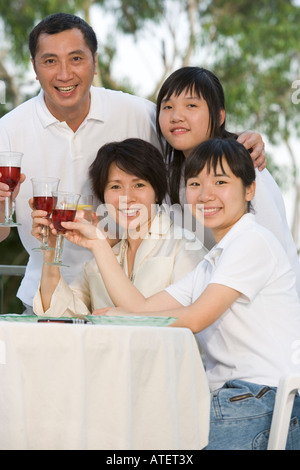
(140, 59)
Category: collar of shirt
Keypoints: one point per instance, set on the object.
(242, 225)
(160, 226)
(97, 110)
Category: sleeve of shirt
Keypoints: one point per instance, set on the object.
(269, 207)
(246, 265)
(67, 300)
(4, 139)
(270, 212)
(152, 131)
(190, 254)
(182, 290)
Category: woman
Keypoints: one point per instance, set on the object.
(190, 110)
(129, 177)
(241, 299)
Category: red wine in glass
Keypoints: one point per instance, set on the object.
(10, 171)
(43, 203)
(62, 215)
(10, 176)
(43, 200)
(64, 210)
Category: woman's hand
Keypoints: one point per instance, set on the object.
(252, 140)
(111, 312)
(39, 221)
(83, 233)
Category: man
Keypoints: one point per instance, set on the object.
(61, 130)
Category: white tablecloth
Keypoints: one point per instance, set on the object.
(101, 387)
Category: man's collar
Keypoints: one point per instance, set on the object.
(97, 110)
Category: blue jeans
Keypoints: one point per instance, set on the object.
(241, 415)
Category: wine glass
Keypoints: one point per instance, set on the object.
(10, 170)
(43, 201)
(64, 210)
(86, 205)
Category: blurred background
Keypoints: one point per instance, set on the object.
(253, 47)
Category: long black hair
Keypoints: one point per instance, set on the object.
(206, 85)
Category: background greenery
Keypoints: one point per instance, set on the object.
(252, 46)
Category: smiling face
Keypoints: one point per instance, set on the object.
(184, 121)
(130, 200)
(65, 67)
(218, 199)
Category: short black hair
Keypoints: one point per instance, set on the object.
(211, 152)
(59, 22)
(134, 156)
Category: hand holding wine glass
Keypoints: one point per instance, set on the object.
(43, 201)
(64, 210)
(10, 174)
(83, 233)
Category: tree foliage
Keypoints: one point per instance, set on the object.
(20, 16)
(257, 56)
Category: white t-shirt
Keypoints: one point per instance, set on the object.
(269, 211)
(51, 148)
(257, 338)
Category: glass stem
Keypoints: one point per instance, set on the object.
(8, 209)
(59, 248)
(44, 233)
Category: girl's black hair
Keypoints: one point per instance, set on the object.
(134, 156)
(211, 153)
(206, 85)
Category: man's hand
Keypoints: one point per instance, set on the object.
(253, 141)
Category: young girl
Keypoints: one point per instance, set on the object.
(241, 299)
(129, 177)
(191, 109)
